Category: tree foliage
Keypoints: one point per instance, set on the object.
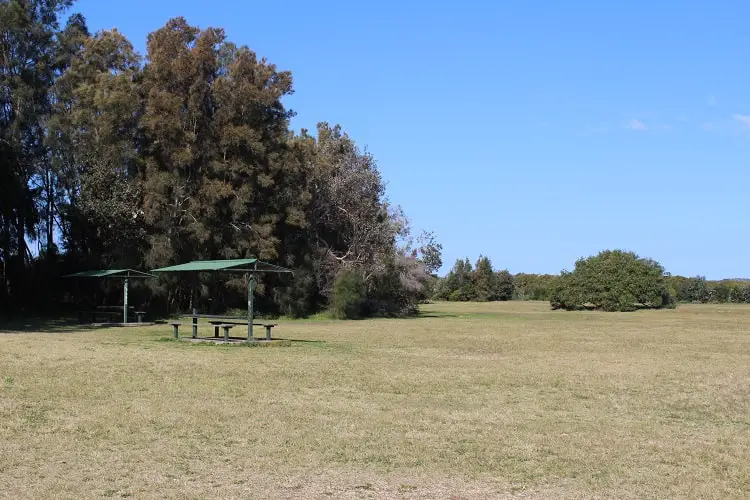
(613, 280)
(693, 289)
(483, 278)
(457, 285)
(93, 139)
(110, 158)
(430, 252)
(480, 283)
(700, 290)
(348, 295)
(29, 62)
(532, 286)
(505, 285)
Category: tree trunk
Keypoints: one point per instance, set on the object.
(50, 215)
(6, 256)
(21, 241)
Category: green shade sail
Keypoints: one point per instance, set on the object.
(249, 266)
(123, 274)
(228, 265)
(111, 273)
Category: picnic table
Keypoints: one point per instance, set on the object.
(222, 321)
(107, 314)
(110, 313)
(106, 311)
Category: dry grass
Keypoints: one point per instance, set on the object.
(472, 401)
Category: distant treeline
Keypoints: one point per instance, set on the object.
(699, 289)
(481, 282)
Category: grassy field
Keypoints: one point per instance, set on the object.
(468, 401)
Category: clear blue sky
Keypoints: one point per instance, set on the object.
(532, 132)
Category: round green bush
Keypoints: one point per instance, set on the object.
(614, 280)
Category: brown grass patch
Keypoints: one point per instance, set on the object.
(475, 401)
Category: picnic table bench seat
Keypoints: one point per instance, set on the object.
(220, 323)
(226, 326)
(176, 328)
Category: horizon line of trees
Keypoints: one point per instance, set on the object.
(113, 159)
(481, 282)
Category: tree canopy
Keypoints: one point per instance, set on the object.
(114, 158)
(613, 280)
(480, 282)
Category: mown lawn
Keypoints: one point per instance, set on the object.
(469, 401)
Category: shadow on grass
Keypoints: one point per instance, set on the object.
(51, 325)
(45, 325)
(508, 316)
(237, 342)
(433, 315)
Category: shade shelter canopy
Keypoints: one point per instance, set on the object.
(227, 265)
(111, 273)
(246, 266)
(123, 274)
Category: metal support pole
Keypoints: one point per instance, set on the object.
(194, 301)
(250, 293)
(125, 301)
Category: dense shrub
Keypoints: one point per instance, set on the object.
(459, 295)
(348, 295)
(532, 286)
(479, 283)
(399, 288)
(720, 293)
(694, 290)
(612, 281)
(737, 293)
